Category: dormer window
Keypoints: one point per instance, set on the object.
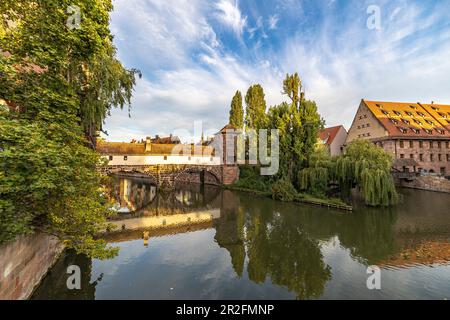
(440, 131)
(416, 131)
(418, 122)
(428, 131)
(402, 130)
(413, 107)
(397, 113)
(443, 115)
(409, 113)
(405, 121)
(386, 112)
(421, 114)
(431, 123)
(394, 121)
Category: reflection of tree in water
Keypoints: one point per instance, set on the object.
(229, 230)
(277, 248)
(54, 285)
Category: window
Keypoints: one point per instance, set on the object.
(211, 159)
(385, 112)
(416, 131)
(411, 156)
(402, 156)
(189, 158)
(439, 157)
(428, 131)
(421, 114)
(365, 116)
(394, 121)
(359, 127)
(448, 157)
(406, 121)
(411, 144)
(420, 144)
(409, 113)
(439, 145)
(402, 144)
(363, 126)
(111, 158)
(402, 130)
(432, 157)
(397, 113)
(447, 144)
(440, 131)
(418, 122)
(368, 125)
(431, 144)
(431, 123)
(165, 157)
(413, 107)
(421, 157)
(125, 158)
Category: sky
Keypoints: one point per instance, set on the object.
(195, 54)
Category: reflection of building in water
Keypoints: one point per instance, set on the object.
(133, 194)
(426, 253)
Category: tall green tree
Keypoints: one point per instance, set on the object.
(298, 123)
(62, 83)
(255, 112)
(237, 111)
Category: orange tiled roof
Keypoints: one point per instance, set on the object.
(415, 120)
(125, 148)
(327, 135)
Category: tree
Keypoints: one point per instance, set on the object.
(298, 123)
(255, 112)
(237, 111)
(364, 165)
(64, 81)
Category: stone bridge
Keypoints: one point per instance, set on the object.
(167, 175)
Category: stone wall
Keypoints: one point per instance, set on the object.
(24, 262)
(430, 183)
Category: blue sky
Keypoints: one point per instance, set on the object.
(194, 55)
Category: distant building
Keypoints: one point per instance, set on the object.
(334, 139)
(416, 134)
(166, 140)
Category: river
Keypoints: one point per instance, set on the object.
(208, 243)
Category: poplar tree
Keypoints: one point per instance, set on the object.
(237, 111)
(255, 112)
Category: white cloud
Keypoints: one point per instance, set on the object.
(229, 14)
(190, 76)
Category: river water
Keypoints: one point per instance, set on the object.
(208, 243)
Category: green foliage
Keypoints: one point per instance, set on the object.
(298, 123)
(364, 165)
(48, 177)
(283, 190)
(237, 111)
(255, 112)
(250, 178)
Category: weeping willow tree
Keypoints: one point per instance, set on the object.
(364, 165)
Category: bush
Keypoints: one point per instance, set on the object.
(283, 190)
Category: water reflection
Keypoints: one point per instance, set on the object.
(258, 248)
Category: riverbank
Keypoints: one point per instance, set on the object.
(302, 198)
